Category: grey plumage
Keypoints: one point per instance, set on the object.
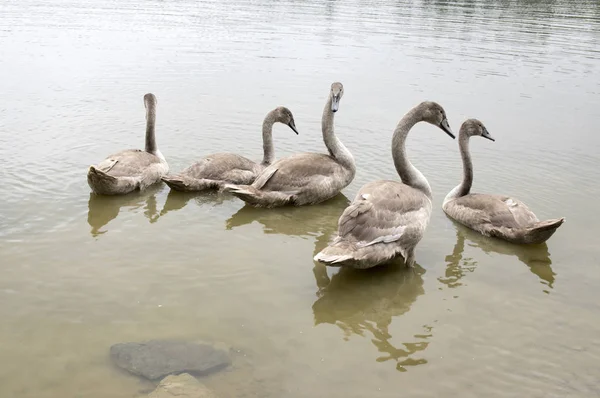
(131, 169)
(305, 178)
(497, 216)
(213, 171)
(387, 218)
(216, 170)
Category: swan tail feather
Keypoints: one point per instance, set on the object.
(256, 197)
(543, 230)
(344, 253)
(104, 184)
(337, 253)
(184, 183)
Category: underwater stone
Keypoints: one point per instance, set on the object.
(158, 358)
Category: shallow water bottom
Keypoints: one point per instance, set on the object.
(494, 326)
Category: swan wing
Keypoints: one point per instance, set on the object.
(223, 166)
(298, 172)
(497, 210)
(383, 212)
(132, 162)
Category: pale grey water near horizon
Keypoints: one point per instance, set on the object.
(476, 317)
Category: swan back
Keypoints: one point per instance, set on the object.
(382, 217)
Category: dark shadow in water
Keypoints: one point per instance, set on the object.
(103, 209)
(536, 257)
(315, 220)
(178, 200)
(360, 301)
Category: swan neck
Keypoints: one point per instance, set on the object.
(465, 154)
(464, 187)
(267, 136)
(151, 146)
(408, 173)
(335, 147)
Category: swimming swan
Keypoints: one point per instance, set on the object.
(216, 170)
(132, 169)
(498, 216)
(388, 218)
(304, 178)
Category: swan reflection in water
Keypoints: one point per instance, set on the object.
(366, 301)
(536, 257)
(178, 200)
(357, 301)
(102, 209)
(318, 220)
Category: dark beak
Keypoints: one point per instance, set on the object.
(446, 127)
(335, 103)
(293, 126)
(486, 134)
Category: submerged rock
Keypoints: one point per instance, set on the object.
(158, 358)
(181, 386)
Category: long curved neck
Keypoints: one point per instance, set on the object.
(150, 125)
(464, 187)
(333, 144)
(267, 136)
(407, 172)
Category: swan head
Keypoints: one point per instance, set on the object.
(472, 127)
(149, 100)
(337, 91)
(284, 115)
(433, 113)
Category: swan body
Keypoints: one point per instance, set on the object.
(133, 169)
(216, 170)
(387, 218)
(497, 216)
(304, 178)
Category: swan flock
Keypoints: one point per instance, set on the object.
(385, 220)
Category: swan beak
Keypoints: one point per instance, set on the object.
(486, 134)
(446, 127)
(335, 103)
(293, 126)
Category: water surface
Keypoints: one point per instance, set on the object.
(475, 317)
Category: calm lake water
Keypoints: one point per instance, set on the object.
(475, 318)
